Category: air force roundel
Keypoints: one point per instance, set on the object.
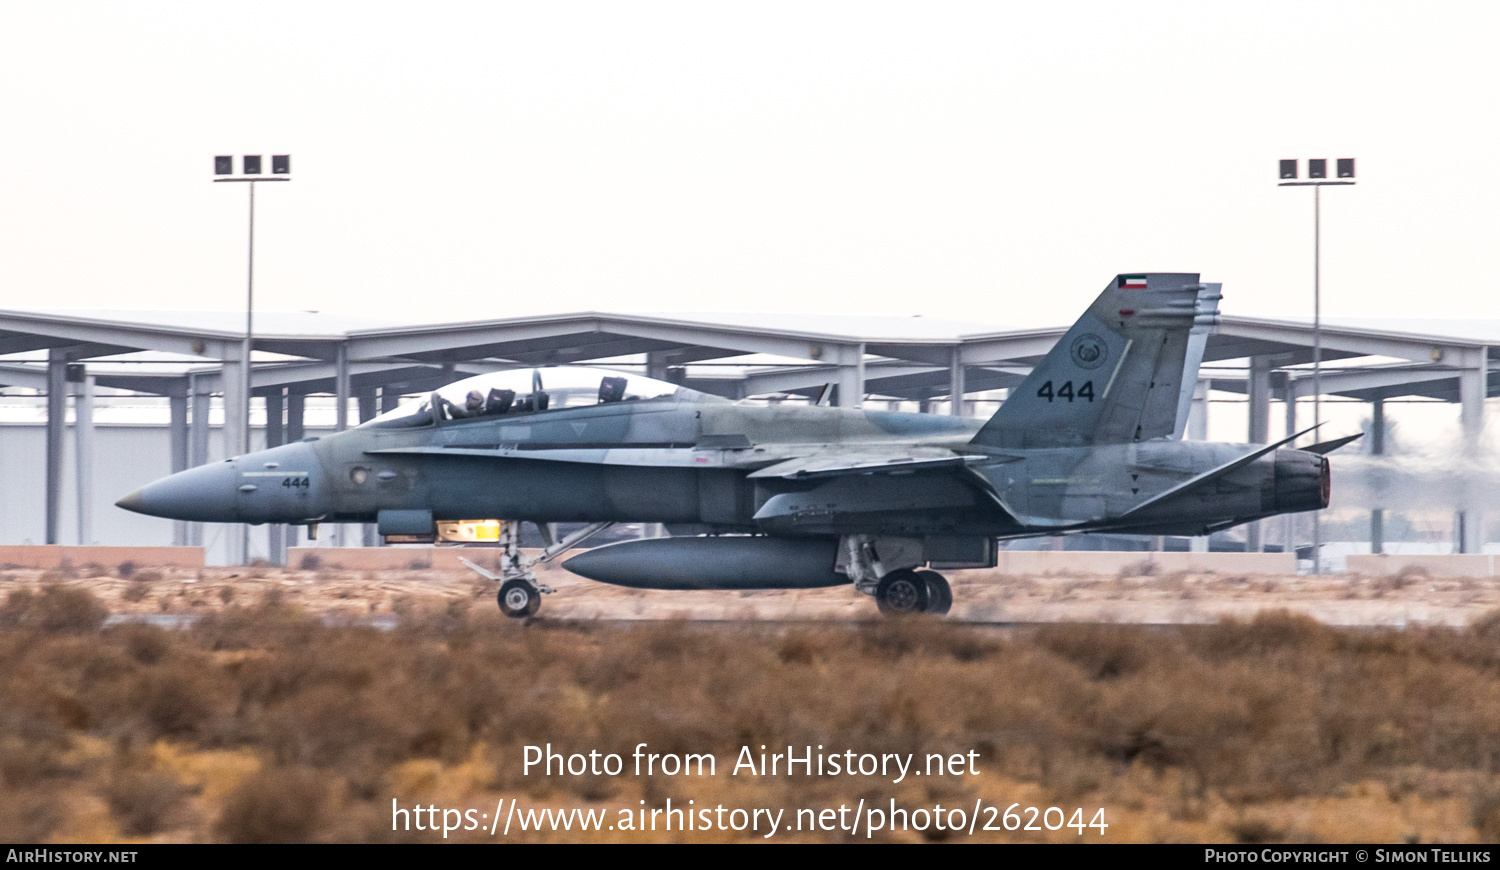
(1089, 351)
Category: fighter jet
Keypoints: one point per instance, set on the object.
(780, 496)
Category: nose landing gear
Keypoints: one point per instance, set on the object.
(520, 599)
(520, 594)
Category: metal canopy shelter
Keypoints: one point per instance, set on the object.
(196, 354)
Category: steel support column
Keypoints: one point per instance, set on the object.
(957, 388)
(341, 417)
(275, 437)
(1377, 448)
(177, 438)
(57, 373)
(296, 405)
(236, 429)
(341, 389)
(83, 456)
(1472, 386)
(1289, 402)
(1197, 429)
(851, 376)
(367, 404)
(199, 426)
(367, 413)
(656, 364)
(1258, 389)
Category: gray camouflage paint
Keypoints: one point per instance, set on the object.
(1082, 441)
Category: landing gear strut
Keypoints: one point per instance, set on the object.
(520, 594)
(885, 569)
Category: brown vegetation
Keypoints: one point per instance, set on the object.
(258, 724)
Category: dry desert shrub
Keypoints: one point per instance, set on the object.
(280, 805)
(53, 576)
(1245, 712)
(1484, 814)
(143, 802)
(147, 644)
(1486, 627)
(55, 609)
(1255, 830)
(28, 816)
(1103, 651)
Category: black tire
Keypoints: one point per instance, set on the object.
(939, 593)
(901, 592)
(519, 599)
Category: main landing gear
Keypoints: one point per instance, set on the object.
(908, 591)
(896, 590)
(520, 594)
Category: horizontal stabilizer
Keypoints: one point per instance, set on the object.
(1323, 448)
(1213, 474)
(840, 462)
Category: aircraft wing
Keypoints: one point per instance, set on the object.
(651, 456)
(793, 462)
(882, 460)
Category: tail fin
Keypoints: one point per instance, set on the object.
(1124, 372)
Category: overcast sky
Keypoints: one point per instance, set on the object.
(997, 162)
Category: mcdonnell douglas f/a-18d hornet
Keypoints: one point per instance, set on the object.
(788, 497)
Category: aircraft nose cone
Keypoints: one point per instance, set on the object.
(202, 494)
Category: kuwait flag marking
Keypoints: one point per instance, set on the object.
(1132, 282)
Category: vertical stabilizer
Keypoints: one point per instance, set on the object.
(1122, 373)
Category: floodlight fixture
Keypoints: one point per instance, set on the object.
(1317, 172)
(253, 168)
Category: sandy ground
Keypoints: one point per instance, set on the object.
(979, 596)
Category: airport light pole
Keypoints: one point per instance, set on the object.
(1317, 179)
(251, 166)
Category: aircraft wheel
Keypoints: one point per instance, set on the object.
(519, 600)
(939, 593)
(901, 592)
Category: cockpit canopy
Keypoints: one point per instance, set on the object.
(529, 391)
